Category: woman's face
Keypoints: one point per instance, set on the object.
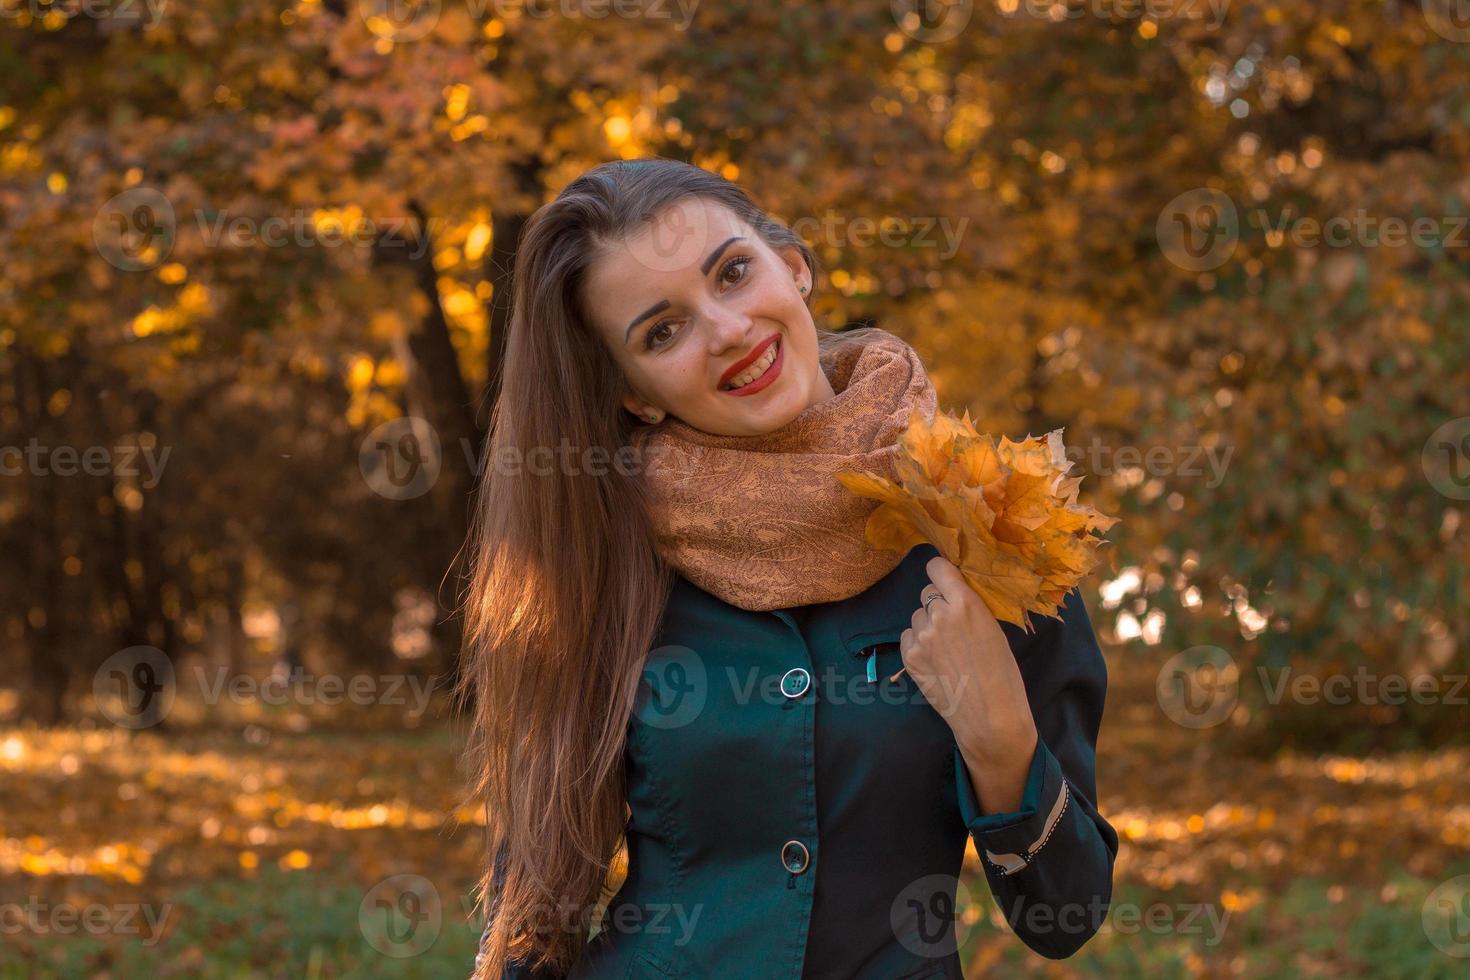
(696, 301)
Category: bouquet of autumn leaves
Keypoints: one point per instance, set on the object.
(1005, 515)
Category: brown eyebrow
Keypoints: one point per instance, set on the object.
(663, 304)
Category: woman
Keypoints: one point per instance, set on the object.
(679, 637)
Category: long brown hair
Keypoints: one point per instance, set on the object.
(565, 587)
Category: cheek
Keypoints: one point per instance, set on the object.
(682, 376)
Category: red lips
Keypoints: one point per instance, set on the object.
(747, 360)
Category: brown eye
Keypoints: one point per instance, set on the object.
(735, 264)
(739, 262)
(648, 341)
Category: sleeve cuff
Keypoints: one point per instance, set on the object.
(1009, 841)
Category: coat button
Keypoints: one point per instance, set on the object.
(795, 682)
(795, 857)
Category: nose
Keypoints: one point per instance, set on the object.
(730, 329)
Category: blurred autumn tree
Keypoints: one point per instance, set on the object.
(1047, 141)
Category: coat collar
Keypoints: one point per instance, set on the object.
(878, 614)
(882, 612)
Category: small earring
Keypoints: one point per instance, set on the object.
(803, 289)
(651, 417)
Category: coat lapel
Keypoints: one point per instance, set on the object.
(881, 613)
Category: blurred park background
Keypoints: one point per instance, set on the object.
(253, 261)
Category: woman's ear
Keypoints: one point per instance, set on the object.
(640, 408)
(791, 256)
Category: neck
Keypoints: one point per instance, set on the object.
(824, 387)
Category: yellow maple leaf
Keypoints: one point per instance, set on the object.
(1006, 515)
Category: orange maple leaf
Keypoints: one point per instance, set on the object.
(1005, 515)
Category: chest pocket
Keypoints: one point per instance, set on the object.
(889, 722)
(646, 966)
(880, 661)
(876, 660)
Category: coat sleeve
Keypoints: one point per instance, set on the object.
(1050, 863)
(516, 969)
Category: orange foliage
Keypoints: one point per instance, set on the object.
(1007, 516)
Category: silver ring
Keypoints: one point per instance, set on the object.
(930, 598)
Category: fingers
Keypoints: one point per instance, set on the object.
(948, 579)
(933, 603)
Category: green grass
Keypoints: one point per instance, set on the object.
(300, 925)
(1298, 930)
(304, 925)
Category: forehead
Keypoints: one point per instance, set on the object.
(667, 250)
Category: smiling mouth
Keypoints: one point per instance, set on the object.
(756, 370)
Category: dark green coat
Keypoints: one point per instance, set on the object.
(792, 820)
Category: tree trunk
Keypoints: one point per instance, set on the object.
(42, 600)
(436, 392)
(500, 270)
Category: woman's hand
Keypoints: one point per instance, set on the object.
(960, 658)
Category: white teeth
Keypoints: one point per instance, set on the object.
(755, 370)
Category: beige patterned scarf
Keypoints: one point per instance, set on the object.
(761, 521)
